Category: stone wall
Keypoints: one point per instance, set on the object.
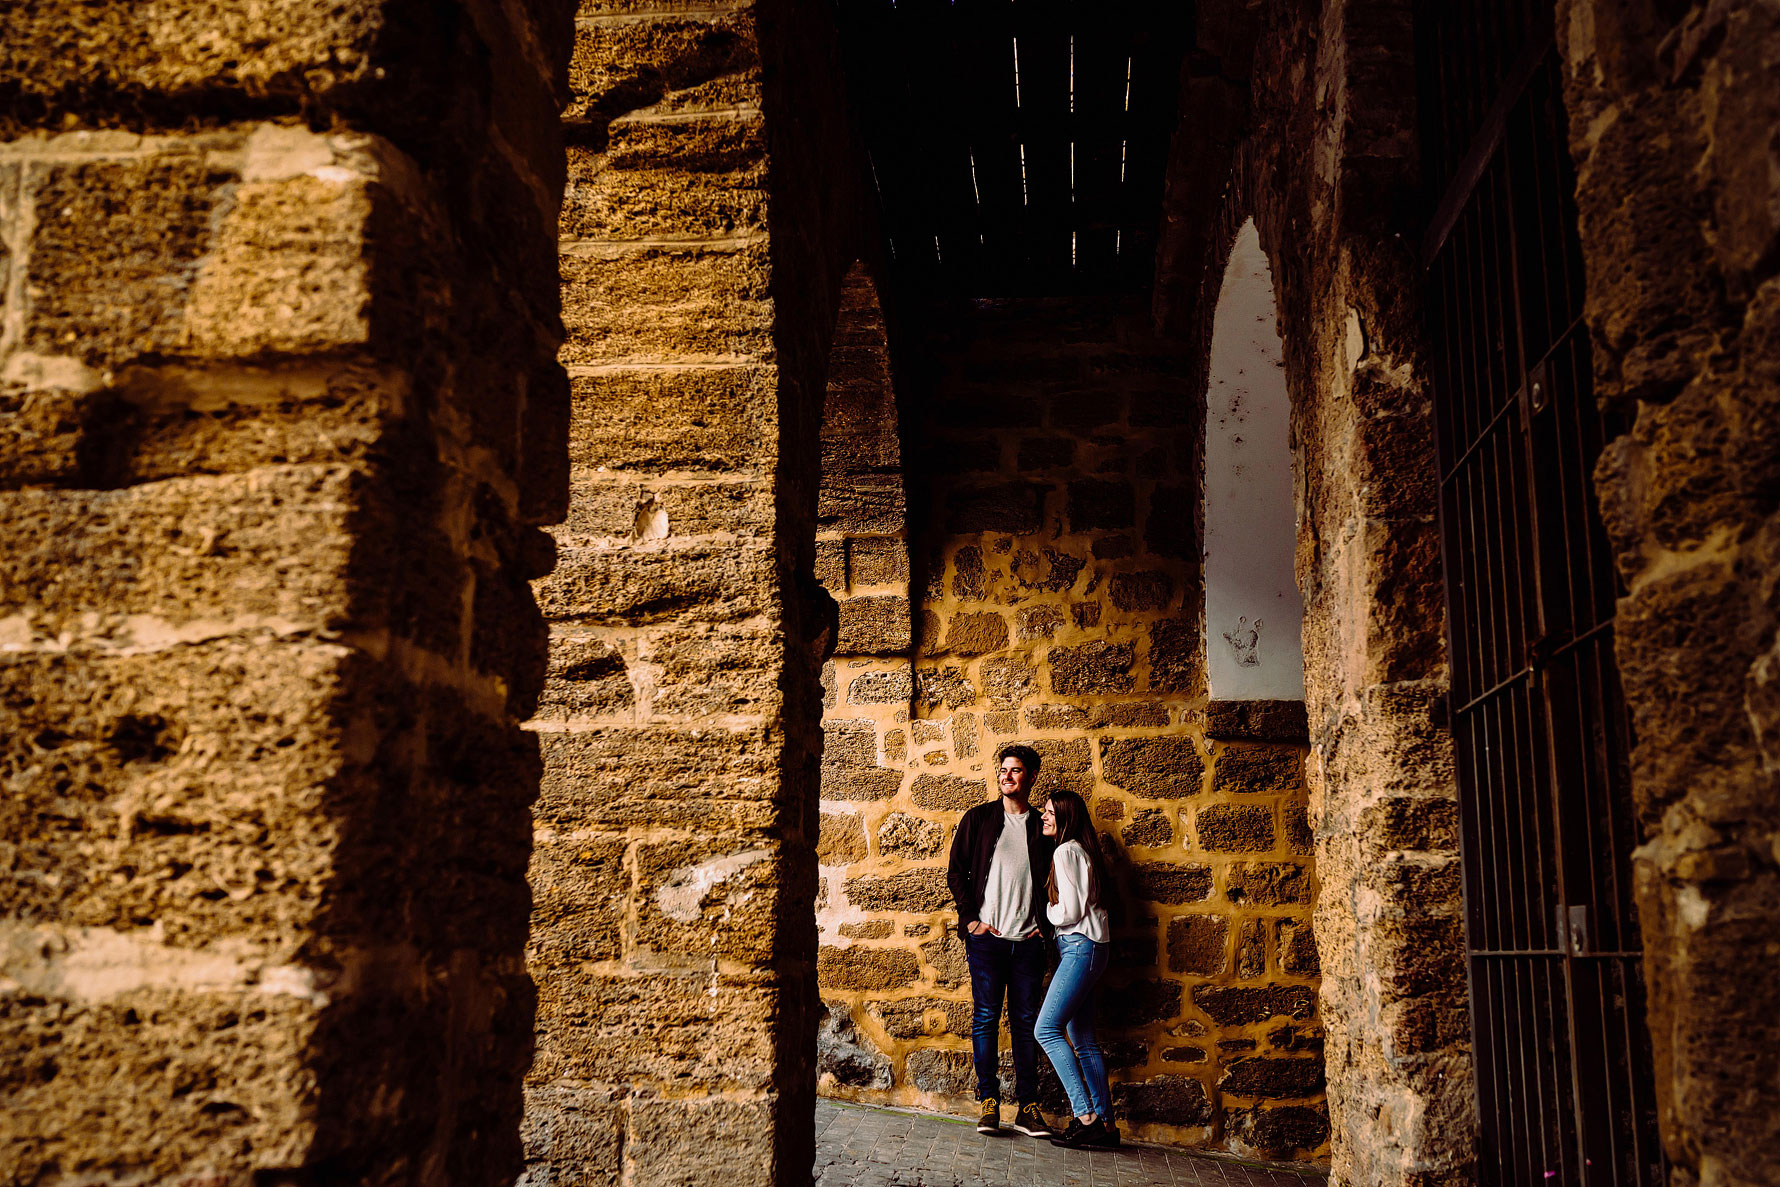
(1305, 120)
(708, 220)
(1054, 459)
(1672, 113)
(279, 412)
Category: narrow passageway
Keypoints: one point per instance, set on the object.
(860, 1146)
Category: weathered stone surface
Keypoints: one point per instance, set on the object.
(1091, 668)
(945, 955)
(1154, 768)
(1165, 1100)
(1064, 765)
(910, 837)
(1253, 769)
(869, 783)
(880, 688)
(976, 634)
(878, 560)
(1272, 1078)
(1150, 828)
(1174, 657)
(911, 890)
(867, 929)
(1136, 592)
(1257, 721)
(1234, 828)
(1013, 508)
(1037, 622)
(876, 625)
(948, 792)
(947, 1073)
(1231, 1005)
(1267, 884)
(847, 1055)
(842, 839)
(1198, 944)
(1164, 882)
(911, 1017)
(860, 967)
(1278, 1132)
(947, 687)
(1251, 949)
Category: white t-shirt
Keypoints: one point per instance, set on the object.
(1072, 914)
(1007, 895)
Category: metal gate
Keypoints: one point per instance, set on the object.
(1564, 1081)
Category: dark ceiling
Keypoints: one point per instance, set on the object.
(1018, 146)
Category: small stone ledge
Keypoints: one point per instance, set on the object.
(1257, 721)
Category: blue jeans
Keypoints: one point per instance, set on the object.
(1014, 969)
(1067, 1021)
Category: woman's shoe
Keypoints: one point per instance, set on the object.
(1101, 1133)
(1074, 1135)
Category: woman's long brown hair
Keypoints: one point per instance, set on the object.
(1073, 825)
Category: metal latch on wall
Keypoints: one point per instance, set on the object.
(1572, 929)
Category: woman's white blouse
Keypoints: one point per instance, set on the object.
(1075, 913)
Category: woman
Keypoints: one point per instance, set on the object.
(1065, 1029)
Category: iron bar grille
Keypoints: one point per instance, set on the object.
(1018, 148)
(1541, 734)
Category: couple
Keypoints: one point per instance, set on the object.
(1018, 879)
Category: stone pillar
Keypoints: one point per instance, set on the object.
(1672, 115)
(674, 865)
(278, 415)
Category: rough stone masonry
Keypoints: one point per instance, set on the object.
(279, 417)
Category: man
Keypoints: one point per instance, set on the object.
(1000, 860)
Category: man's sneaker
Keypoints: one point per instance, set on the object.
(1031, 1122)
(990, 1121)
(1074, 1135)
(1101, 1132)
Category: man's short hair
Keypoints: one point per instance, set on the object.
(1027, 755)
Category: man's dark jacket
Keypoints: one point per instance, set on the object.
(973, 848)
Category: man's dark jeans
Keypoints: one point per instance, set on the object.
(1014, 969)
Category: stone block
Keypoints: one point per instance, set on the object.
(976, 634)
(1251, 949)
(1234, 828)
(1240, 1005)
(1047, 570)
(1100, 505)
(1174, 657)
(860, 784)
(841, 840)
(915, 1017)
(1272, 1078)
(1065, 764)
(1297, 948)
(666, 302)
(717, 418)
(1163, 1100)
(1278, 1132)
(846, 1054)
(1013, 508)
(862, 504)
(1294, 826)
(1056, 717)
(574, 1131)
(658, 1028)
(867, 929)
(1154, 768)
(1090, 669)
(579, 888)
(964, 731)
(830, 568)
(1267, 884)
(1144, 713)
(910, 837)
(947, 687)
(1412, 822)
(1085, 614)
(874, 626)
(1257, 721)
(1183, 1055)
(1246, 769)
(949, 793)
(850, 743)
(700, 177)
(715, 669)
(896, 748)
(714, 898)
(1168, 882)
(704, 582)
(1140, 592)
(880, 688)
(864, 968)
(945, 1073)
(669, 1142)
(1037, 622)
(1199, 944)
(587, 677)
(918, 890)
(1149, 829)
(944, 954)
(878, 560)
(645, 776)
(969, 579)
(1007, 680)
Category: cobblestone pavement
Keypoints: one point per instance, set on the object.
(858, 1146)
